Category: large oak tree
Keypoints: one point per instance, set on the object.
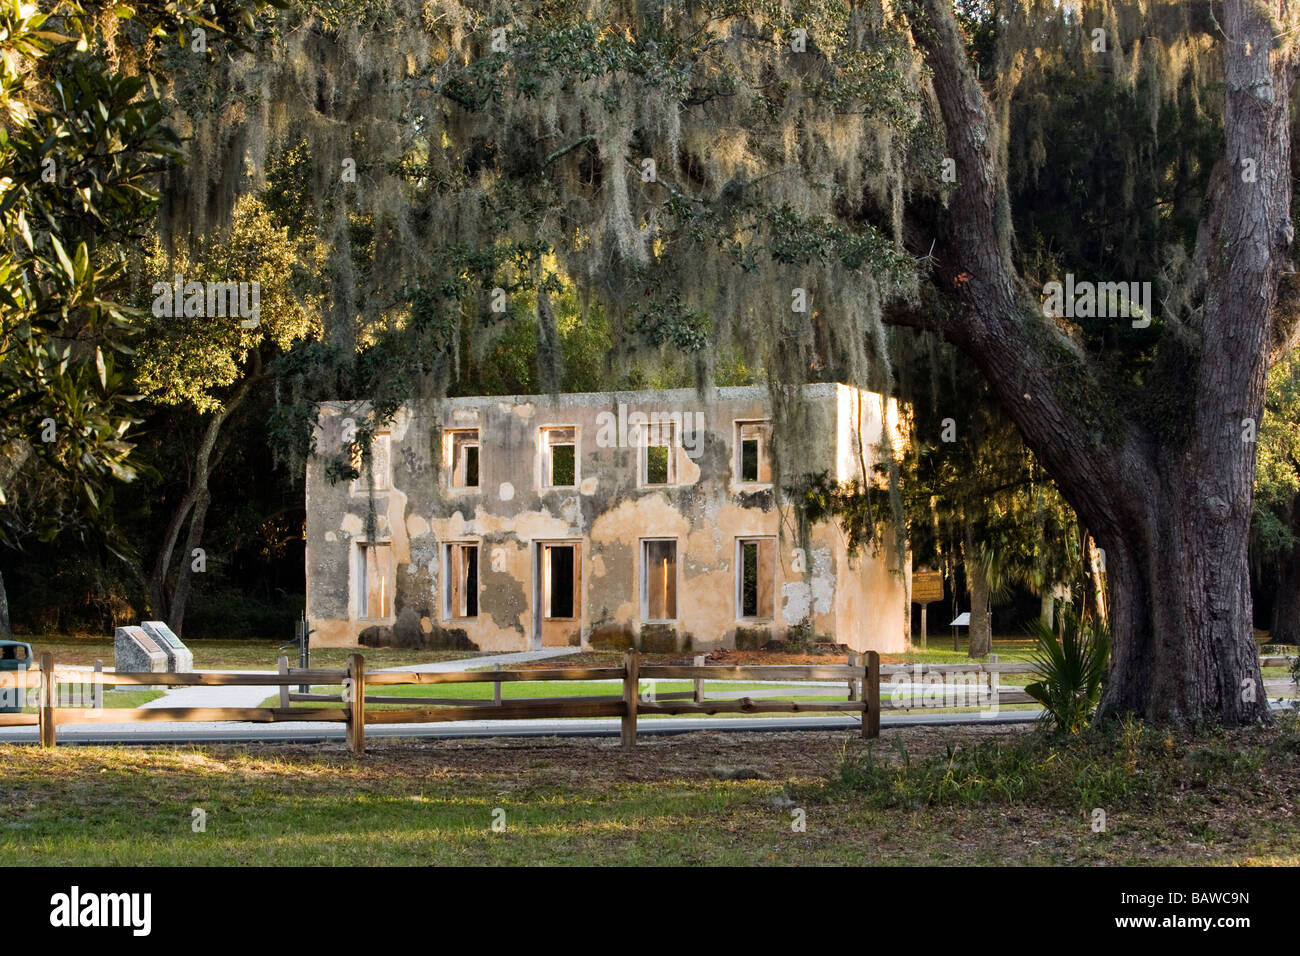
(1173, 515)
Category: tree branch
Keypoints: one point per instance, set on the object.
(567, 149)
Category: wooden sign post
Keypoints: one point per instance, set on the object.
(927, 587)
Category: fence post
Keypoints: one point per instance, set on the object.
(97, 688)
(699, 681)
(283, 666)
(993, 681)
(871, 697)
(853, 681)
(631, 680)
(357, 704)
(496, 692)
(47, 699)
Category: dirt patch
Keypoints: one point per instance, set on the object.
(556, 761)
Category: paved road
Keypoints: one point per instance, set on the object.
(239, 732)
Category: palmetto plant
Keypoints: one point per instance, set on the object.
(1072, 667)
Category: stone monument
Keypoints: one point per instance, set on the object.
(180, 659)
(134, 651)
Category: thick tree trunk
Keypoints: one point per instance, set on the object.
(1181, 612)
(1184, 609)
(1172, 514)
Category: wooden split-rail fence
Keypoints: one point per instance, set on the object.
(859, 686)
(862, 682)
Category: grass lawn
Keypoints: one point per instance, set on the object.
(529, 689)
(130, 698)
(210, 654)
(992, 796)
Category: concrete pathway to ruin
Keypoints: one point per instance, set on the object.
(486, 661)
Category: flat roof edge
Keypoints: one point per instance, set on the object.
(676, 395)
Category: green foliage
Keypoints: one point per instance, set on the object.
(1277, 463)
(192, 360)
(516, 168)
(58, 326)
(855, 506)
(81, 148)
(1073, 669)
(54, 589)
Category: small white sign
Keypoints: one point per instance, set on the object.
(961, 620)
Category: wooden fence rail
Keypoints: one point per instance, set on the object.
(857, 685)
(356, 685)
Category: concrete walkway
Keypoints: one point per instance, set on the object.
(253, 696)
(487, 662)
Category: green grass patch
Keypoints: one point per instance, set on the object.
(112, 698)
(130, 698)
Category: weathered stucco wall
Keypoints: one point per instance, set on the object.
(606, 516)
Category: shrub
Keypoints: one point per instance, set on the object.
(800, 634)
(1073, 670)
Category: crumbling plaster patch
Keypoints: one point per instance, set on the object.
(800, 599)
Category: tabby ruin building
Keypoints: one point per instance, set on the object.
(602, 520)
